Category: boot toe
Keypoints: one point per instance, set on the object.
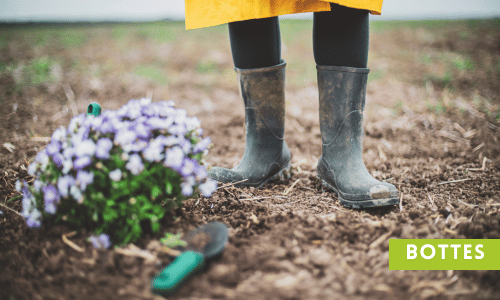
(224, 175)
(380, 191)
(383, 191)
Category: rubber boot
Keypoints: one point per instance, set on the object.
(266, 155)
(342, 92)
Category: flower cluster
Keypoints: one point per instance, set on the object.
(111, 172)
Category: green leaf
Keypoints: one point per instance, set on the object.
(155, 227)
(134, 185)
(137, 230)
(121, 185)
(17, 197)
(142, 200)
(158, 210)
(123, 209)
(155, 192)
(173, 240)
(110, 215)
(169, 187)
(118, 160)
(127, 238)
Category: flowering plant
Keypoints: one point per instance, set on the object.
(115, 172)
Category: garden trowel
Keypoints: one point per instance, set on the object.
(203, 243)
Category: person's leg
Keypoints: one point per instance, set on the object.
(255, 45)
(340, 50)
(340, 37)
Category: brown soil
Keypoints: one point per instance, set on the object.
(299, 245)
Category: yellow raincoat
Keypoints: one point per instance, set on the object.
(206, 13)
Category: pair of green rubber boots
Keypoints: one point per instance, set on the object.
(341, 168)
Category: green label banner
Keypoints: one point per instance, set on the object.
(444, 254)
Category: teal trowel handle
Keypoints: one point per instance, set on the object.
(172, 276)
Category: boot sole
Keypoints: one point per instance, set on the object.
(360, 204)
(284, 173)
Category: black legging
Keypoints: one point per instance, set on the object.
(340, 38)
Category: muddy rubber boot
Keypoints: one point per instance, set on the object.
(342, 92)
(266, 155)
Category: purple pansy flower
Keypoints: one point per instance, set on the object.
(186, 189)
(27, 201)
(76, 194)
(174, 158)
(63, 184)
(187, 185)
(180, 115)
(96, 122)
(100, 242)
(151, 110)
(58, 159)
(188, 167)
(51, 197)
(170, 140)
(82, 162)
(159, 123)
(200, 172)
(42, 158)
(166, 111)
(142, 131)
(133, 113)
(53, 147)
(84, 178)
(103, 147)
(135, 165)
(107, 126)
(34, 219)
(68, 153)
(67, 165)
(37, 185)
(124, 137)
(144, 101)
(115, 175)
(32, 168)
(137, 146)
(202, 145)
(85, 148)
(177, 129)
(208, 187)
(185, 145)
(192, 123)
(59, 135)
(153, 152)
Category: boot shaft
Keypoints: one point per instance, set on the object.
(263, 94)
(342, 93)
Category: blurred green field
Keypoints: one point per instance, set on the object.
(459, 56)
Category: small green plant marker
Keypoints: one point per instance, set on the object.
(94, 109)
